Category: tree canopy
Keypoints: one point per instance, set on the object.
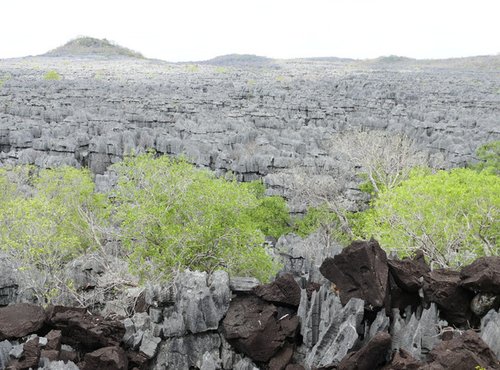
(175, 216)
(453, 216)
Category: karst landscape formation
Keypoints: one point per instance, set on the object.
(248, 213)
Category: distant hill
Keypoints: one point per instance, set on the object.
(89, 46)
(239, 60)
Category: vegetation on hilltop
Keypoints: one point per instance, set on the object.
(89, 46)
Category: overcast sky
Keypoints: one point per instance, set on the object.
(182, 30)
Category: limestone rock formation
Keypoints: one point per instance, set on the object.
(255, 122)
(194, 304)
(490, 331)
(416, 333)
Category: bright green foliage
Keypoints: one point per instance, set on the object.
(489, 157)
(452, 216)
(271, 214)
(174, 216)
(321, 219)
(315, 218)
(52, 76)
(4, 79)
(50, 223)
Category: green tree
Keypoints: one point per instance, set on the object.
(174, 216)
(453, 216)
(46, 225)
(489, 157)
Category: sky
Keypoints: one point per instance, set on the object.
(190, 30)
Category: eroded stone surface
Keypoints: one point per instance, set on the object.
(19, 320)
(359, 271)
(482, 275)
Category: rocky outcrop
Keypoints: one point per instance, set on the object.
(198, 322)
(372, 355)
(284, 290)
(112, 358)
(253, 122)
(465, 351)
(194, 304)
(257, 329)
(490, 331)
(482, 275)
(360, 271)
(8, 282)
(443, 287)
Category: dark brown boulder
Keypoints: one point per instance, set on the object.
(466, 351)
(109, 358)
(443, 287)
(30, 357)
(401, 298)
(80, 329)
(253, 327)
(359, 271)
(284, 290)
(409, 273)
(482, 275)
(282, 358)
(402, 360)
(19, 320)
(371, 356)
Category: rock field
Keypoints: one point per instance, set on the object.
(256, 120)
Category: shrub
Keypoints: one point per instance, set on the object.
(52, 223)
(174, 216)
(489, 157)
(453, 216)
(52, 76)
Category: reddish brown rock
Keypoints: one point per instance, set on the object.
(371, 356)
(295, 367)
(53, 340)
(282, 358)
(69, 356)
(482, 275)
(284, 291)
(80, 329)
(50, 354)
(109, 358)
(251, 325)
(465, 351)
(402, 360)
(359, 271)
(137, 360)
(19, 320)
(443, 287)
(30, 357)
(409, 273)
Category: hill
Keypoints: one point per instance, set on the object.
(89, 46)
(239, 60)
